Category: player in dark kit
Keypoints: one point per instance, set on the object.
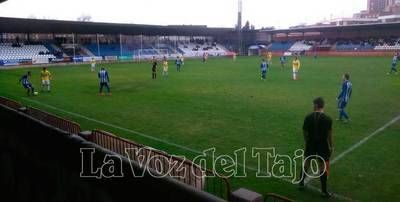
(317, 131)
(24, 80)
(154, 69)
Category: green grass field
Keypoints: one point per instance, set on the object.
(224, 104)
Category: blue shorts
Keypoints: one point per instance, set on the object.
(342, 104)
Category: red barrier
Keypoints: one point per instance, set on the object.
(10, 103)
(183, 170)
(55, 121)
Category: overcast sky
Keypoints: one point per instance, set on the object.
(213, 13)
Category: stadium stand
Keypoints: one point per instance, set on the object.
(10, 51)
(300, 46)
(340, 45)
(129, 50)
(281, 46)
(105, 49)
(353, 45)
(389, 45)
(196, 49)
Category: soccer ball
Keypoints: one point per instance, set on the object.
(35, 93)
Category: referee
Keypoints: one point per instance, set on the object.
(317, 130)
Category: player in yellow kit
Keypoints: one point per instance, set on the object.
(269, 58)
(165, 68)
(296, 67)
(93, 65)
(45, 75)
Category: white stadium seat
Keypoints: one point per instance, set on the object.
(8, 52)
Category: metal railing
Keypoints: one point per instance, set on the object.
(10, 103)
(164, 164)
(53, 120)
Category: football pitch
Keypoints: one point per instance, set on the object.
(223, 104)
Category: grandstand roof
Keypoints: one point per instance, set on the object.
(332, 28)
(22, 25)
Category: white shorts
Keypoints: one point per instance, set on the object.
(93, 65)
(295, 70)
(45, 82)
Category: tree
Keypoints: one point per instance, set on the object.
(84, 18)
(246, 26)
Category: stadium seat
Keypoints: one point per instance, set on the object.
(8, 52)
(300, 46)
(281, 46)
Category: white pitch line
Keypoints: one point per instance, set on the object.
(364, 140)
(117, 127)
(340, 197)
(360, 143)
(311, 187)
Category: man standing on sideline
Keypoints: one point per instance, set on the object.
(394, 65)
(45, 76)
(317, 132)
(104, 81)
(24, 80)
(264, 69)
(344, 97)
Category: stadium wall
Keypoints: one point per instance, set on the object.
(345, 53)
(355, 53)
(43, 163)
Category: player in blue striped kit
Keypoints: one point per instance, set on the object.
(24, 80)
(178, 63)
(104, 81)
(394, 65)
(264, 69)
(344, 97)
(282, 59)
